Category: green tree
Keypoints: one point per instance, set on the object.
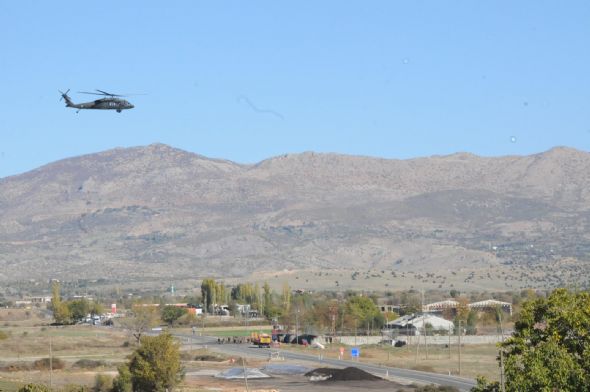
(364, 311)
(483, 385)
(144, 318)
(102, 383)
(96, 308)
(122, 383)
(78, 309)
(550, 348)
(155, 365)
(172, 313)
(268, 305)
(208, 288)
(61, 312)
(286, 297)
(257, 303)
(471, 323)
(245, 292)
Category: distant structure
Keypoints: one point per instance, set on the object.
(414, 325)
(441, 306)
(491, 304)
(481, 306)
(32, 301)
(449, 307)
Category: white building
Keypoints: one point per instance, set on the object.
(417, 324)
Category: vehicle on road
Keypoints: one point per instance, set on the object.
(261, 339)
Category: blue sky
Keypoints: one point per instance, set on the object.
(247, 80)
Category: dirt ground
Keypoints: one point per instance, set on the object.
(296, 383)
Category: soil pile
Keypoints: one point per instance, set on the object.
(346, 374)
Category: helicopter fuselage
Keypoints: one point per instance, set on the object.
(108, 103)
(104, 104)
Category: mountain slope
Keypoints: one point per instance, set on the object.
(157, 211)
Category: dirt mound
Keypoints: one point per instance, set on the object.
(347, 374)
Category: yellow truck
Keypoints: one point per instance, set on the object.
(260, 339)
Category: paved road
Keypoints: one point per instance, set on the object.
(463, 384)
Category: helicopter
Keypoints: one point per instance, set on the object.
(109, 102)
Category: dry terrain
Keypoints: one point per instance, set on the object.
(157, 215)
(82, 352)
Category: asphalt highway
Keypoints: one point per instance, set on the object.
(244, 350)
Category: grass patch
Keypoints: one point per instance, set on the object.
(9, 386)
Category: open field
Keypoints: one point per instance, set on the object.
(29, 340)
(475, 359)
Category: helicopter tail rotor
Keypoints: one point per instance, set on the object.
(64, 95)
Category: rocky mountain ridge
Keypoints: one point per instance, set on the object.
(160, 211)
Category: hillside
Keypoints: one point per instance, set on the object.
(159, 212)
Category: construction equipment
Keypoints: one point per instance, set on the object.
(261, 339)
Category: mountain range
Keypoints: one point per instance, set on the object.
(157, 212)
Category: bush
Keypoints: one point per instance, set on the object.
(436, 388)
(34, 388)
(45, 364)
(74, 388)
(89, 363)
(15, 367)
(209, 357)
(102, 383)
(155, 365)
(3, 335)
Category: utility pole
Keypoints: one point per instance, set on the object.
(502, 381)
(422, 300)
(245, 375)
(297, 326)
(449, 342)
(425, 340)
(417, 335)
(50, 362)
(355, 322)
(408, 337)
(342, 325)
(460, 347)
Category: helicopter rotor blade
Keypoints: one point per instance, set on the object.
(106, 94)
(109, 94)
(86, 92)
